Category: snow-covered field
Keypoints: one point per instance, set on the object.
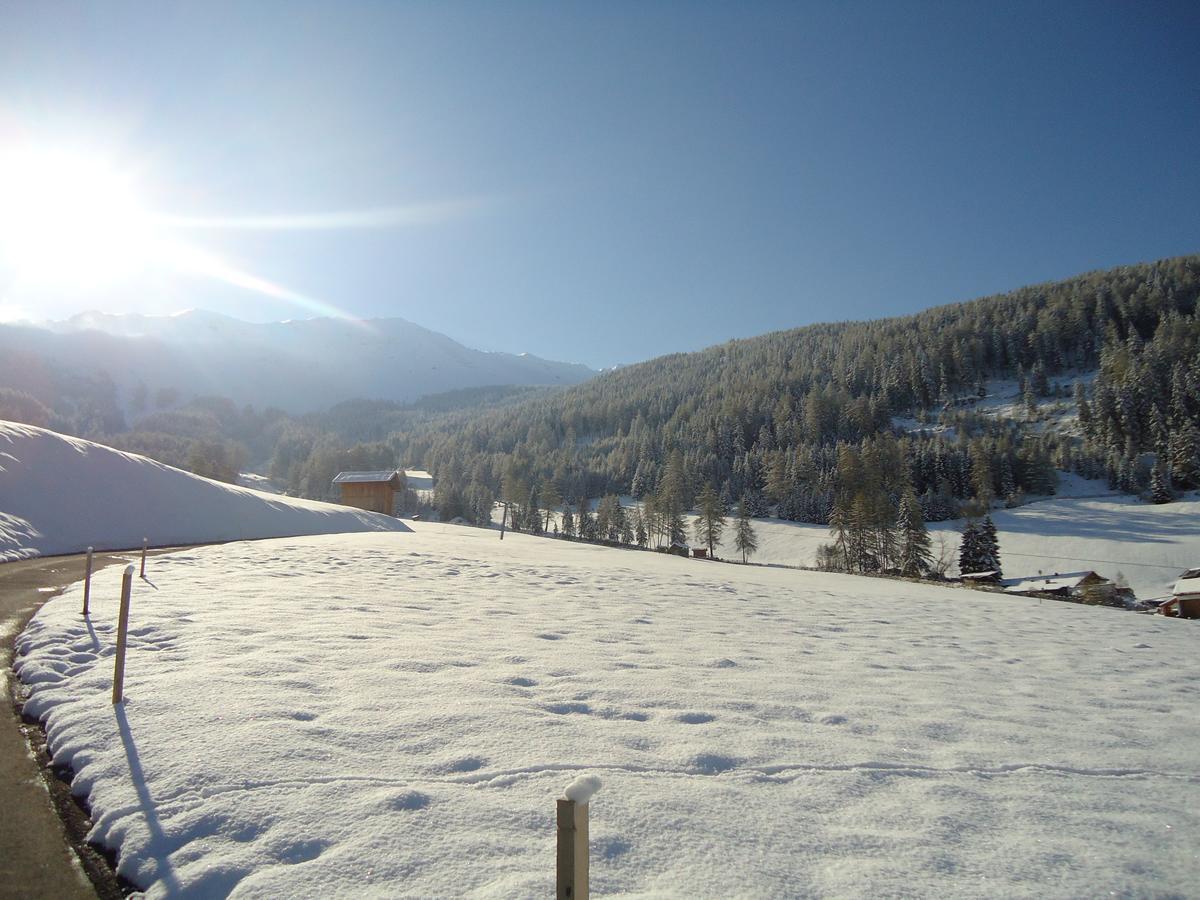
(1086, 527)
(394, 715)
(61, 494)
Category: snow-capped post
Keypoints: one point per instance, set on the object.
(87, 581)
(572, 880)
(122, 628)
(145, 541)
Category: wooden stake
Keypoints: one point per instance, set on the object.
(503, 519)
(572, 850)
(142, 574)
(118, 693)
(87, 581)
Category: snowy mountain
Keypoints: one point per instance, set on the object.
(60, 495)
(298, 366)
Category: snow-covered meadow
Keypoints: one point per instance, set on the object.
(62, 494)
(1085, 529)
(395, 714)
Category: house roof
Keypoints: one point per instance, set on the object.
(383, 475)
(1057, 582)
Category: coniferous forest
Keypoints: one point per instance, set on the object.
(802, 423)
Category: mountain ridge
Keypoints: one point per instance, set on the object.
(300, 365)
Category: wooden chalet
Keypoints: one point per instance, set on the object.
(373, 491)
(1185, 599)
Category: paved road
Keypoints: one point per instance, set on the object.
(36, 857)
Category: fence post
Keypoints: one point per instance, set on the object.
(118, 690)
(142, 574)
(87, 581)
(572, 868)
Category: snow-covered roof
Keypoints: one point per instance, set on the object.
(365, 477)
(1056, 582)
(1188, 584)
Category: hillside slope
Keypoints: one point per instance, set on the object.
(771, 418)
(60, 495)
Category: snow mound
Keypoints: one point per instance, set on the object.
(60, 494)
(582, 789)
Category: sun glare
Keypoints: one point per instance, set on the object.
(70, 220)
(78, 222)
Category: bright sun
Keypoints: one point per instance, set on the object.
(71, 220)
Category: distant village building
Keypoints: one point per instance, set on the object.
(1075, 585)
(1185, 599)
(373, 491)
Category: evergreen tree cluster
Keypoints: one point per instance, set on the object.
(980, 547)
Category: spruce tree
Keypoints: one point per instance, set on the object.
(1159, 492)
(969, 550)
(639, 528)
(710, 523)
(744, 538)
(989, 546)
(584, 525)
(915, 555)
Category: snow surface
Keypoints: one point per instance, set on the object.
(375, 715)
(61, 494)
(1090, 529)
(1084, 526)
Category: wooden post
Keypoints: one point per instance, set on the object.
(87, 581)
(572, 850)
(142, 574)
(503, 518)
(122, 630)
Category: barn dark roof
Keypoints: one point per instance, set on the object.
(383, 475)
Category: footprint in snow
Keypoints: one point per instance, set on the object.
(408, 800)
(695, 718)
(714, 763)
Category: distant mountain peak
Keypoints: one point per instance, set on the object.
(299, 365)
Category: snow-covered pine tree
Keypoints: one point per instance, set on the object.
(1185, 457)
(989, 546)
(744, 538)
(1159, 492)
(969, 550)
(710, 524)
(915, 557)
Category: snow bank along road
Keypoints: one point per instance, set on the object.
(61, 494)
(383, 715)
(35, 860)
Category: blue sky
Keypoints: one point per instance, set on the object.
(608, 182)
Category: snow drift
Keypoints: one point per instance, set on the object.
(61, 494)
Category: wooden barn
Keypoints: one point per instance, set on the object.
(374, 491)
